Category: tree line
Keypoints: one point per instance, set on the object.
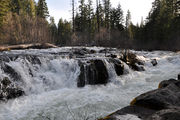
(26, 22)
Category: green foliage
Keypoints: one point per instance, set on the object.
(64, 32)
(42, 9)
(4, 9)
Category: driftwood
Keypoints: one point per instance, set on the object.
(28, 46)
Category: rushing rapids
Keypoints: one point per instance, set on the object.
(77, 83)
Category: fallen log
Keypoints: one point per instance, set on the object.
(28, 46)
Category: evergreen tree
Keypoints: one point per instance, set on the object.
(53, 29)
(42, 9)
(16, 6)
(31, 8)
(107, 7)
(64, 32)
(83, 15)
(89, 19)
(128, 19)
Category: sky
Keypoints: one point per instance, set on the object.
(139, 8)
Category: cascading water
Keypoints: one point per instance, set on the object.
(49, 81)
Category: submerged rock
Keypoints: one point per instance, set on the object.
(154, 62)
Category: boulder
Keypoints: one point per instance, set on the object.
(81, 81)
(159, 99)
(154, 62)
(165, 83)
(131, 60)
(160, 104)
(118, 66)
(133, 110)
(167, 114)
(93, 72)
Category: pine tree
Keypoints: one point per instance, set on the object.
(89, 19)
(31, 8)
(73, 16)
(16, 6)
(128, 19)
(42, 9)
(53, 29)
(120, 18)
(107, 7)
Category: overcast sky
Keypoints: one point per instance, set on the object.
(138, 8)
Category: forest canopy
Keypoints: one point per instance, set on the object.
(27, 21)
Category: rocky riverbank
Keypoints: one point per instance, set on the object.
(160, 104)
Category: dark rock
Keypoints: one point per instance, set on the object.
(81, 81)
(154, 62)
(137, 67)
(131, 59)
(97, 72)
(165, 83)
(160, 98)
(134, 110)
(93, 72)
(112, 56)
(167, 114)
(103, 51)
(33, 59)
(178, 76)
(83, 51)
(12, 73)
(92, 51)
(14, 93)
(159, 104)
(5, 82)
(8, 90)
(118, 65)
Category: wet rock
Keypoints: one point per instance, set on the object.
(83, 51)
(159, 104)
(33, 59)
(92, 51)
(154, 62)
(165, 83)
(12, 73)
(167, 114)
(134, 110)
(81, 81)
(97, 72)
(112, 56)
(14, 93)
(5, 82)
(93, 72)
(159, 99)
(178, 76)
(118, 66)
(131, 59)
(8, 90)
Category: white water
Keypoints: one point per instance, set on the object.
(51, 94)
